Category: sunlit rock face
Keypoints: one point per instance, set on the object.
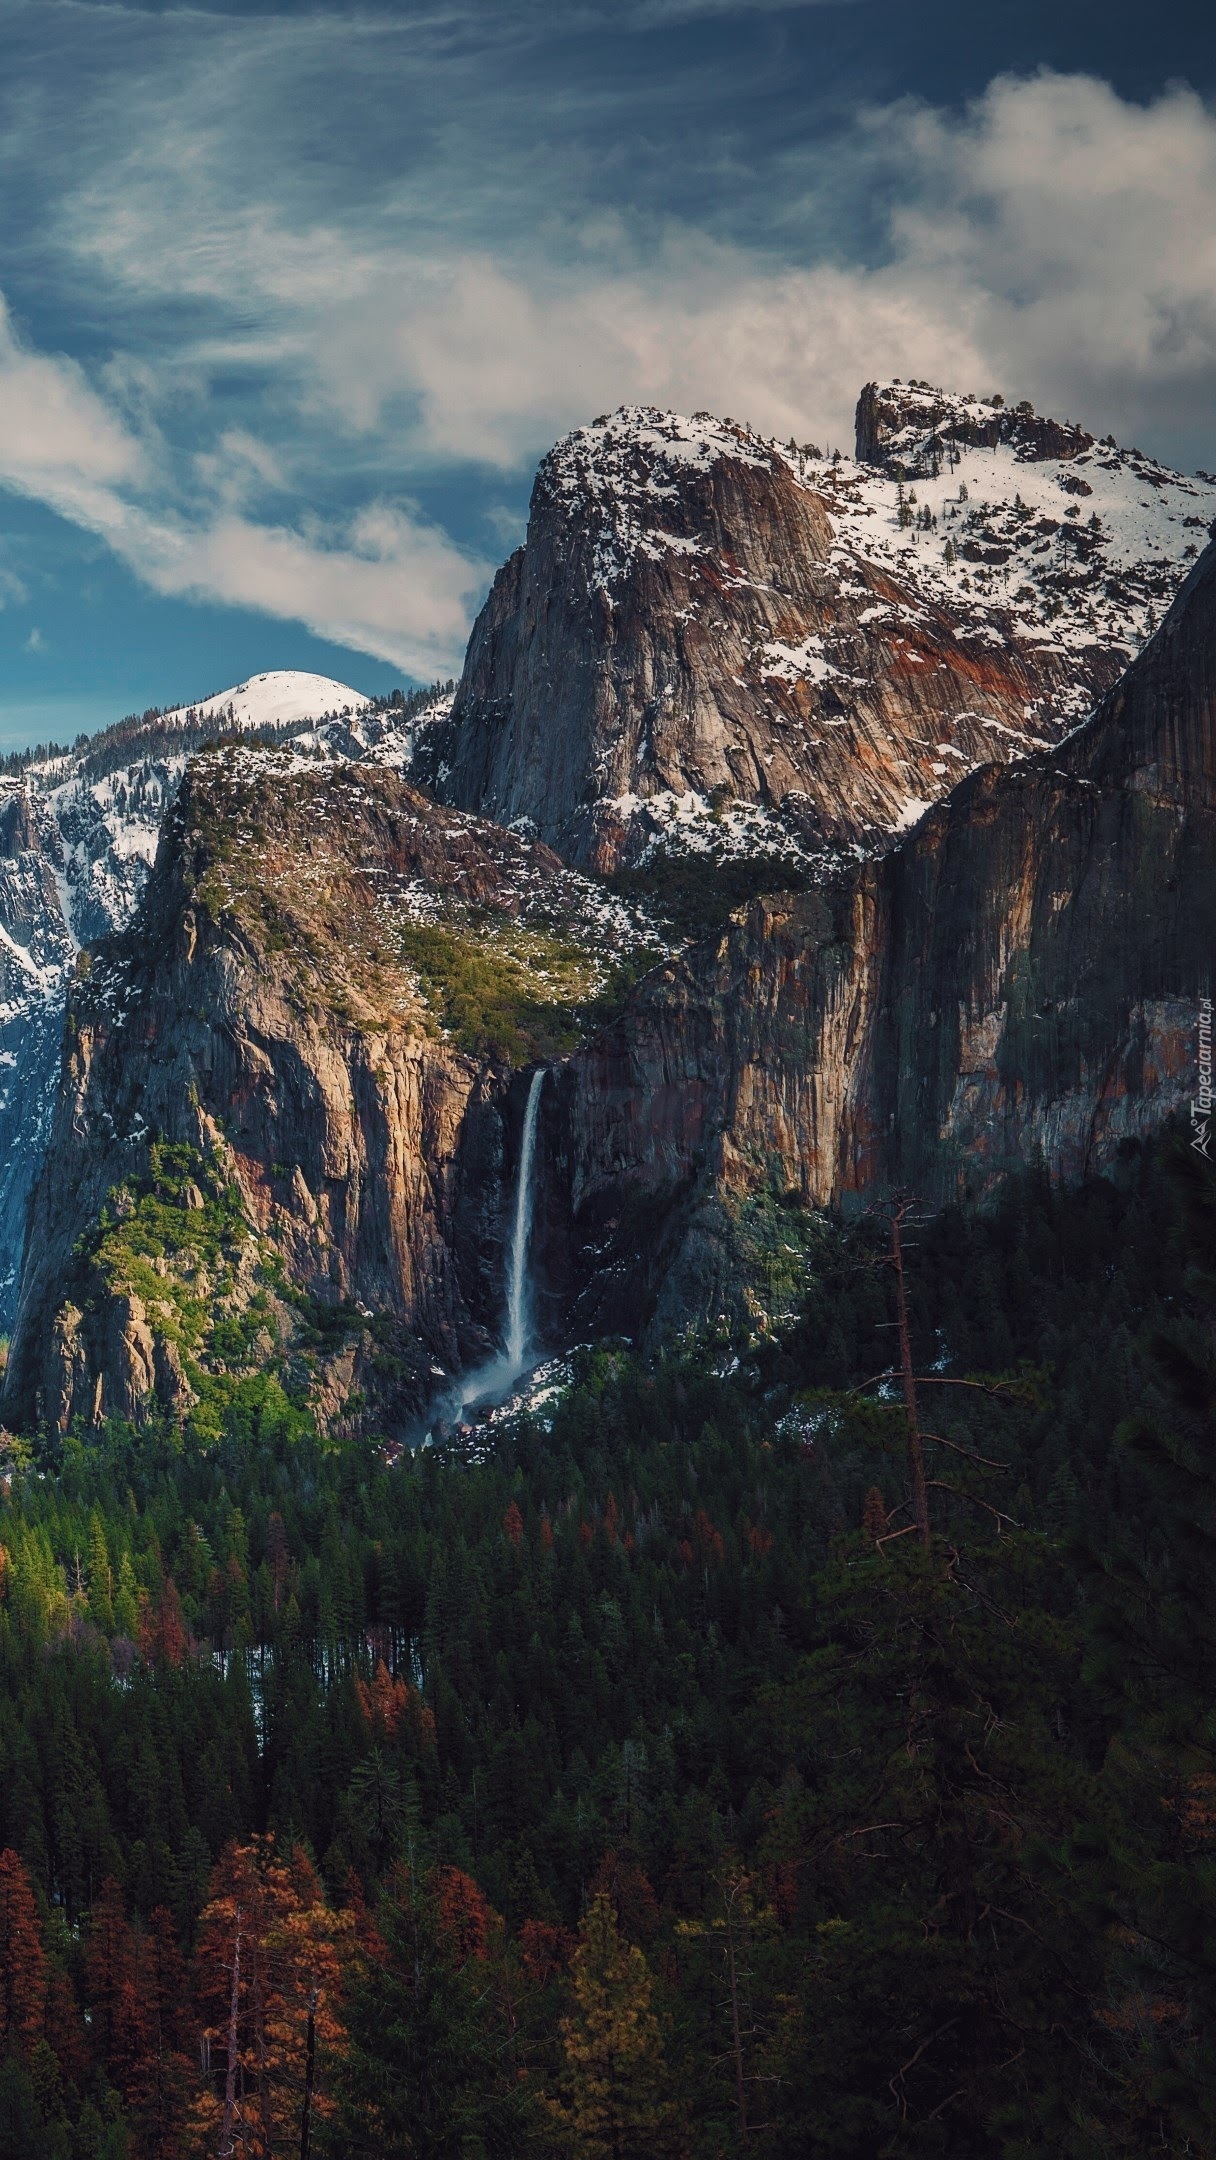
(704, 623)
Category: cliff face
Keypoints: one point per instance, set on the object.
(289, 1105)
(1018, 981)
(267, 1147)
(700, 616)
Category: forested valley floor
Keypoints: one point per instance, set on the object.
(645, 1786)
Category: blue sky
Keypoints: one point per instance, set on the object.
(294, 297)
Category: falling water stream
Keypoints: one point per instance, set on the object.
(519, 1281)
(495, 1380)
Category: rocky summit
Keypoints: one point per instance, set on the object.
(711, 640)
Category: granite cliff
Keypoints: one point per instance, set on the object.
(78, 833)
(291, 1092)
(1019, 981)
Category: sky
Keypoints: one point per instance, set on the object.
(293, 297)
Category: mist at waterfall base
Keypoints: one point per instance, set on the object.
(490, 1384)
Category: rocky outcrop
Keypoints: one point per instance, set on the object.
(899, 426)
(1018, 982)
(701, 617)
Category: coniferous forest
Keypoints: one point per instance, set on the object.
(670, 1781)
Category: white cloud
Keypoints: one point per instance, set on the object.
(388, 584)
(59, 441)
(1054, 240)
(385, 581)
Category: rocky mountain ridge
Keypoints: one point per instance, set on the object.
(713, 640)
(281, 1141)
(290, 1091)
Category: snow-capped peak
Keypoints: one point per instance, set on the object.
(283, 697)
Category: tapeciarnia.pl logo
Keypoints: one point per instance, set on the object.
(1201, 1107)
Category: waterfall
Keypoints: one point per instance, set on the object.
(519, 1282)
(496, 1380)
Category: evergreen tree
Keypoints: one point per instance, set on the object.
(1153, 1636)
(431, 2072)
(939, 1997)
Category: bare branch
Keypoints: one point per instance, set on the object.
(959, 1449)
(941, 1485)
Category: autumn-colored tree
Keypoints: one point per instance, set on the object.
(162, 1632)
(22, 1956)
(116, 2021)
(634, 1905)
(616, 2104)
(513, 1523)
(465, 1917)
(270, 1968)
(384, 1700)
(545, 1951)
(368, 1941)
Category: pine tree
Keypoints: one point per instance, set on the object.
(942, 1990)
(616, 2105)
(162, 2076)
(1154, 1654)
(101, 1609)
(431, 2071)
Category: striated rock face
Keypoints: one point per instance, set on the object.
(266, 1150)
(702, 617)
(1018, 982)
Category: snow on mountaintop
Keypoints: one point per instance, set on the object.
(1027, 530)
(627, 465)
(284, 697)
